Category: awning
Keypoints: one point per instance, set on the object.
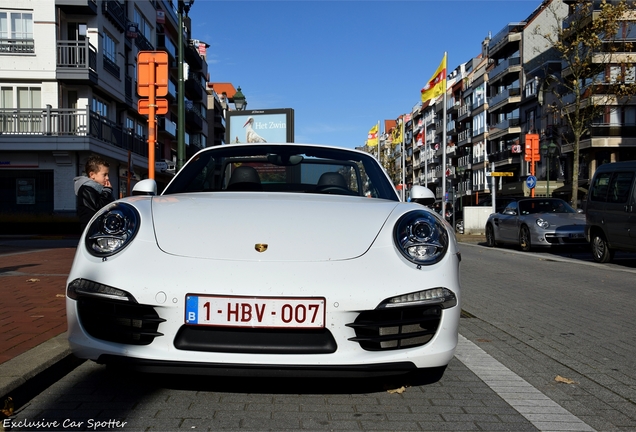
(566, 189)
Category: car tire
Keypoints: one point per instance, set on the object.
(490, 236)
(459, 226)
(601, 251)
(524, 239)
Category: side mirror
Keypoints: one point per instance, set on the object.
(422, 195)
(145, 187)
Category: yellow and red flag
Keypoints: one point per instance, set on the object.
(397, 133)
(372, 138)
(436, 86)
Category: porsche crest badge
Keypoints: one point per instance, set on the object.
(260, 247)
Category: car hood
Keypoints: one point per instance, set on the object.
(230, 226)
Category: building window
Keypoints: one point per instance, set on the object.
(16, 32)
(100, 107)
(29, 97)
(110, 48)
(144, 26)
(531, 124)
(6, 98)
(625, 73)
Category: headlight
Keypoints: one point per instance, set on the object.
(421, 237)
(542, 223)
(83, 287)
(442, 296)
(112, 230)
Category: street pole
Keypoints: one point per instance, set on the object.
(549, 159)
(180, 97)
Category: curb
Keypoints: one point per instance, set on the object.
(30, 373)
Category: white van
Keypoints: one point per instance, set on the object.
(611, 210)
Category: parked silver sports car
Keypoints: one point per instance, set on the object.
(536, 222)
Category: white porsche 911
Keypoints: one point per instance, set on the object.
(268, 259)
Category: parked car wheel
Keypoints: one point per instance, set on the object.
(524, 239)
(600, 249)
(490, 236)
(459, 226)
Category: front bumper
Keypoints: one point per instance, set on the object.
(352, 289)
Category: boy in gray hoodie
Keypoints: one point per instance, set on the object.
(94, 190)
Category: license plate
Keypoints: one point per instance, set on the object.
(273, 312)
(577, 235)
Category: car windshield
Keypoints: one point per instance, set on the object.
(547, 205)
(283, 168)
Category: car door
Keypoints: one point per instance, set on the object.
(508, 231)
(619, 209)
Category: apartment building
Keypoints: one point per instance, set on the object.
(495, 99)
(68, 71)
(612, 136)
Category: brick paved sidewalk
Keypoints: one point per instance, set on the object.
(33, 307)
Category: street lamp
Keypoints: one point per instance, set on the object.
(184, 6)
(239, 100)
(548, 151)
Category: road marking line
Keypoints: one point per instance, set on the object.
(540, 410)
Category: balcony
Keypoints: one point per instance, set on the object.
(194, 120)
(64, 122)
(79, 7)
(464, 137)
(143, 44)
(510, 33)
(192, 57)
(115, 13)
(463, 112)
(167, 126)
(465, 162)
(612, 130)
(198, 140)
(505, 127)
(17, 46)
(512, 64)
(164, 42)
(76, 61)
(507, 96)
(111, 67)
(451, 127)
(195, 87)
(504, 155)
(172, 90)
(452, 105)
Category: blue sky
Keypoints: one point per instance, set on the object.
(342, 65)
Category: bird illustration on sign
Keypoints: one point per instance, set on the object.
(250, 135)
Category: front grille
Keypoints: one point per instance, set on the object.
(119, 322)
(255, 341)
(397, 328)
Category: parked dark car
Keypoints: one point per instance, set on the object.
(611, 210)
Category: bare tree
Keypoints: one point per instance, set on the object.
(593, 44)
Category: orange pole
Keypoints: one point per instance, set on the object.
(152, 108)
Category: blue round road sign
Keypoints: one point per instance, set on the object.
(531, 182)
